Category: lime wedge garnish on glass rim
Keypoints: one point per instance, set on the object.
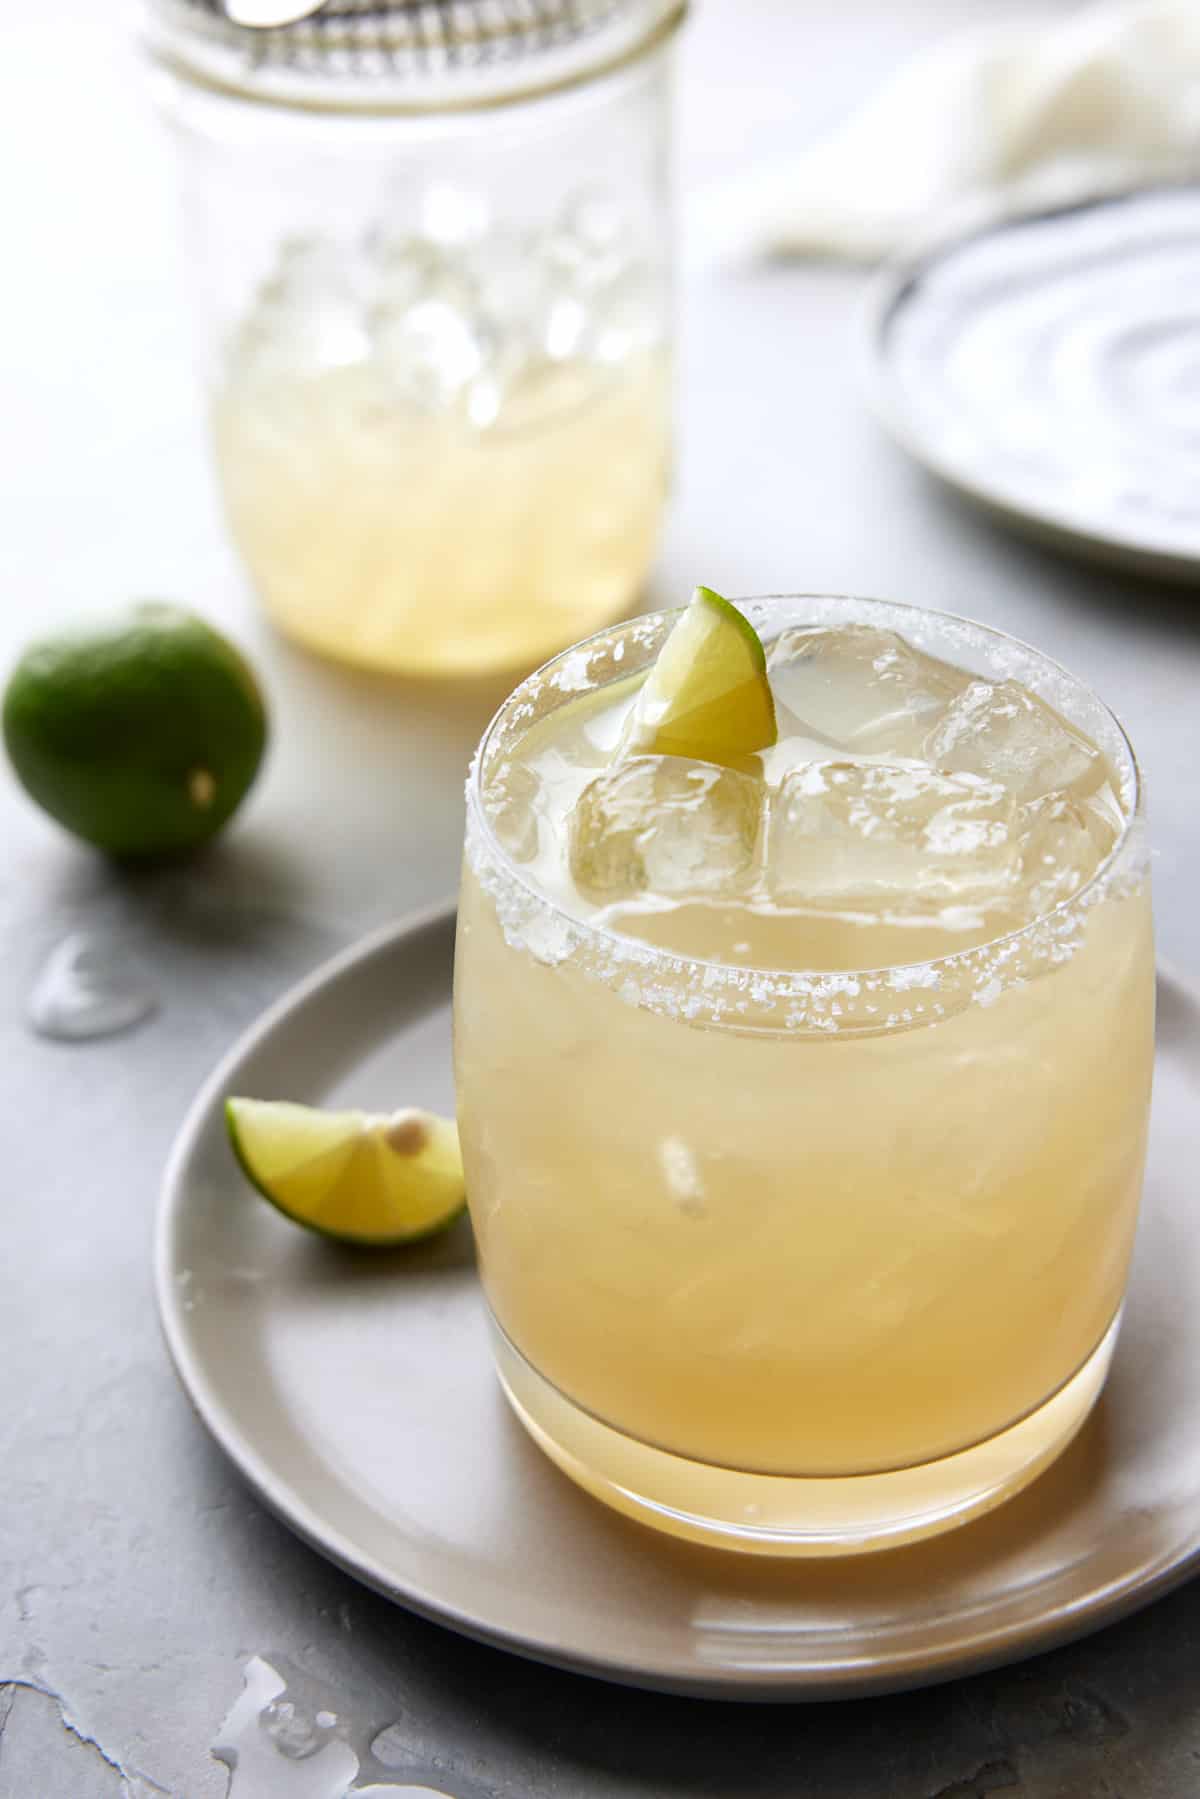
(362, 1177)
(707, 696)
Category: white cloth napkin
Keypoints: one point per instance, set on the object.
(1023, 112)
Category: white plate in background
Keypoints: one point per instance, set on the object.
(1047, 365)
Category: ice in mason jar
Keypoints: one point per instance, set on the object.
(803, 1101)
(442, 457)
(433, 249)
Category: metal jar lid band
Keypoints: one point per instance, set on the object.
(408, 55)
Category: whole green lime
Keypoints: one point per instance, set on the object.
(140, 733)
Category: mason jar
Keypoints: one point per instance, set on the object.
(431, 246)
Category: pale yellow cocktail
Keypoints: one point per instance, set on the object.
(416, 486)
(803, 1104)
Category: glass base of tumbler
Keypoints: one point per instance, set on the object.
(782, 1515)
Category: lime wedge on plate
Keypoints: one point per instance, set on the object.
(362, 1177)
(707, 696)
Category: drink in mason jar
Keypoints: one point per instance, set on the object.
(444, 458)
(803, 1089)
(433, 250)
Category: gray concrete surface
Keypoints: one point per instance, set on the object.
(137, 1573)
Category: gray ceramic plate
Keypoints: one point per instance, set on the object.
(1048, 366)
(356, 1396)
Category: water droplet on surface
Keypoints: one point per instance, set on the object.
(278, 1750)
(88, 988)
(293, 1732)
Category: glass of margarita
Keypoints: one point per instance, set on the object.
(803, 1094)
